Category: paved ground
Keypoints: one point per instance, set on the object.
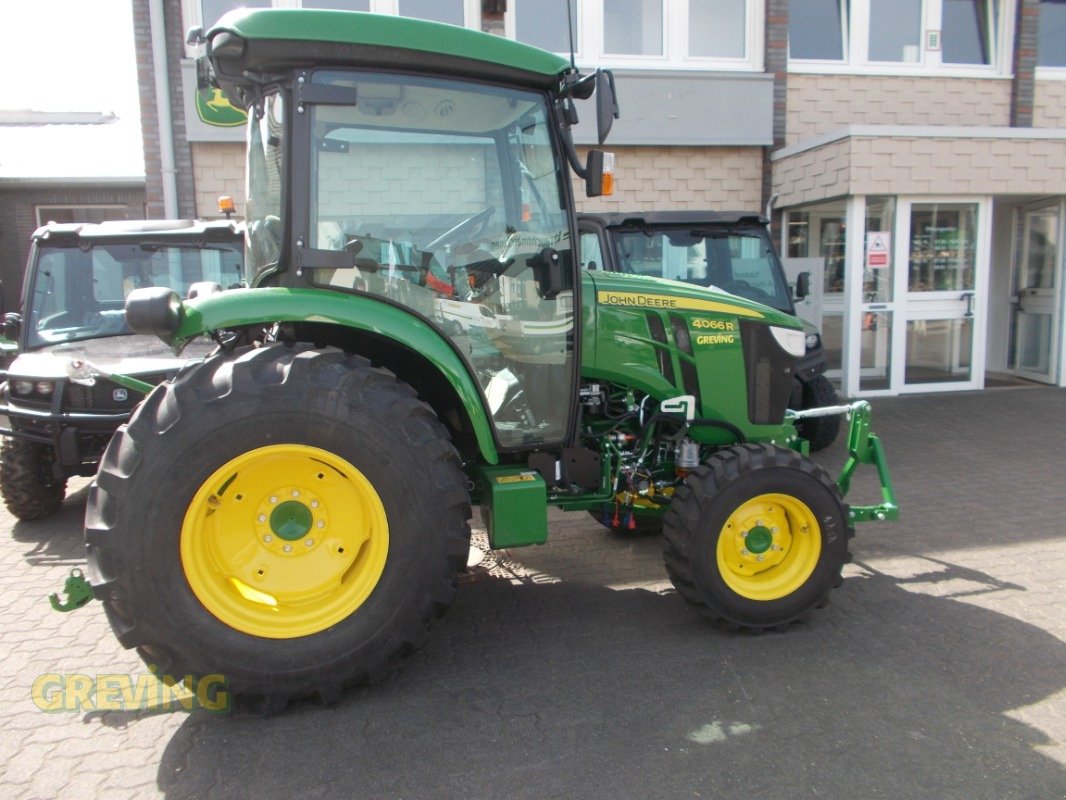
(572, 671)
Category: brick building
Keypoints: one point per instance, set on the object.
(45, 176)
(915, 151)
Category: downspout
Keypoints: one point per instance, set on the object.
(162, 109)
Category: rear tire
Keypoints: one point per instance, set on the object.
(757, 536)
(29, 487)
(819, 431)
(290, 518)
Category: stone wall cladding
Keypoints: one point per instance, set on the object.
(922, 166)
(1050, 110)
(217, 169)
(822, 103)
(648, 178)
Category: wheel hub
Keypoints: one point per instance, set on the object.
(769, 546)
(291, 520)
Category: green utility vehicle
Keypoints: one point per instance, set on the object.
(59, 407)
(728, 250)
(293, 512)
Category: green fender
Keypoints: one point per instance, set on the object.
(235, 308)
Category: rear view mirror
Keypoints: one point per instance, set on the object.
(606, 104)
(803, 285)
(12, 325)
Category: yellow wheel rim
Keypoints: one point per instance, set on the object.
(769, 547)
(284, 541)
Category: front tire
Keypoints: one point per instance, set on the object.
(819, 431)
(290, 518)
(757, 536)
(29, 487)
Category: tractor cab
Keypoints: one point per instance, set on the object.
(447, 196)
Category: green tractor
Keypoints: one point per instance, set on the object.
(417, 338)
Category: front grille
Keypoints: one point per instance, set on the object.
(101, 395)
(769, 372)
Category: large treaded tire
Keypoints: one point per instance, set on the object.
(703, 508)
(30, 489)
(229, 406)
(819, 431)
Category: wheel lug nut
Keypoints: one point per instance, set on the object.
(320, 524)
(309, 542)
(268, 538)
(760, 557)
(295, 493)
(287, 548)
(262, 518)
(745, 552)
(314, 504)
(273, 499)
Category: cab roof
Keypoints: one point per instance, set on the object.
(69, 234)
(280, 38)
(640, 219)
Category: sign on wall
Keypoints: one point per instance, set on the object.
(209, 116)
(878, 247)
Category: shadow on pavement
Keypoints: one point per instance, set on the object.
(566, 690)
(57, 540)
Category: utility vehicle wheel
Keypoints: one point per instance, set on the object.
(30, 489)
(819, 431)
(290, 518)
(757, 536)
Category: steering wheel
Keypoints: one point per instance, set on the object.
(745, 289)
(463, 227)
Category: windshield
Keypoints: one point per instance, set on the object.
(264, 187)
(741, 262)
(448, 197)
(80, 293)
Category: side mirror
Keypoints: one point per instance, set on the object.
(12, 325)
(803, 285)
(606, 104)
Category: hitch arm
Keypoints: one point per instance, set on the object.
(864, 447)
(78, 592)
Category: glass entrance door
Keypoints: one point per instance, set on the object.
(944, 266)
(1037, 275)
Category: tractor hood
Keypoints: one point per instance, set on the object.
(642, 292)
(124, 355)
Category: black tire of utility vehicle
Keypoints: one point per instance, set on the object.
(819, 431)
(232, 405)
(703, 511)
(30, 489)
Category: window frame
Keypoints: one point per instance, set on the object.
(856, 28)
(589, 49)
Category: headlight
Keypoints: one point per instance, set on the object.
(813, 341)
(22, 387)
(45, 387)
(791, 340)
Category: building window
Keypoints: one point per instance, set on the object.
(456, 12)
(816, 29)
(633, 27)
(543, 24)
(899, 36)
(895, 30)
(668, 34)
(1051, 43)
(716, 28)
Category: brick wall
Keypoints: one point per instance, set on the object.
(922, 165)
(1050, 108)
(821, 103)
(183, 163)
(18, 221)
(648, 178)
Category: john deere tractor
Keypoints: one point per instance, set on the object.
(415, 338)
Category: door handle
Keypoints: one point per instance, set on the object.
(968, 297)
